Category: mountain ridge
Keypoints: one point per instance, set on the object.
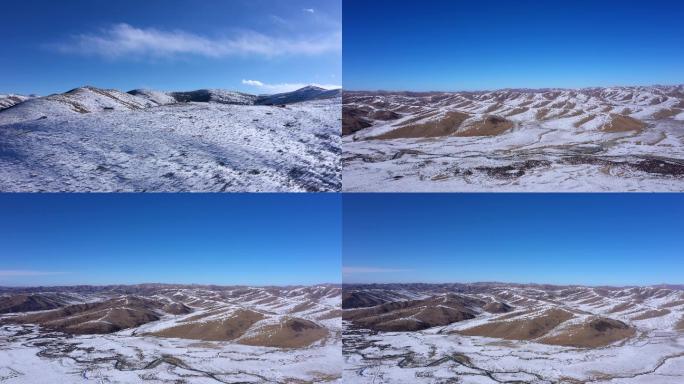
(89, 99)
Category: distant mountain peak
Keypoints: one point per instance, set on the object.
(311, 88)
(310, 92)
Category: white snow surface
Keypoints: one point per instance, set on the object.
(104, 141)
(9, 100)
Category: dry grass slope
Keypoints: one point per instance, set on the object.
(489, 126)
(521, 329)
(447, 125)
(289, 333)
(595, 333)
(214, 330)
(620, 123)
(651, 314)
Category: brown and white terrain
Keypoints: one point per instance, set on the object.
(510, 333)
(593, 139)
(171, 333)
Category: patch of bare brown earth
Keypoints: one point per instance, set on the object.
(593, 300)
(521, 329)
(513, 315)
(542, 113)
(584, 120)
(414, 315)
(622, 307)
(301, 307)
(673, 304)
(27, 303)
(621, 123)
(384, 115)
(226, 329)
(353, 120)
(335, 313)
(680, 325)
(417, 118)
(517, 111)
(289, 333)
(666, 113)
(95, 318)
(594, 333)
(651, 314)
(489, 126)
(445, 126)
(497, 307)
(176, 309)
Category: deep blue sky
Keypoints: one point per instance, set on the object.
(260, 239)
(53, 46)
(595, 239)
(490, 44)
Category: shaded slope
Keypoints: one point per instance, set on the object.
(414, 315)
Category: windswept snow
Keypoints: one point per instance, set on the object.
(10, 100)
(90, 139)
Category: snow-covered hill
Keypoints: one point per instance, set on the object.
(7, 101)
(215, 96)
(75, 102)
(303, 94)
(595, 139)
(90, 139)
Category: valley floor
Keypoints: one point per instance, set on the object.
(30, 355)
(530, 158)
(655, 357)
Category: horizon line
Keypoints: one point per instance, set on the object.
(681, 285)
(36, 95)
(167, 284)
(515, 88)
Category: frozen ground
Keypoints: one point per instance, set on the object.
(654, 355)
(429, 357)
(31, 353)
(95, 140)
(621, 139)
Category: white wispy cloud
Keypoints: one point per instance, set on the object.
(253, 83)
(284, 87)
(23, 272)
(309, 10)
(357, 270)
(126, 41)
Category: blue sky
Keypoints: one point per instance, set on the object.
(257, 46)
(260, 239)
(594, 239)
(492, 44)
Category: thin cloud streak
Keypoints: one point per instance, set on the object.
(284, 87)
(126, 41)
